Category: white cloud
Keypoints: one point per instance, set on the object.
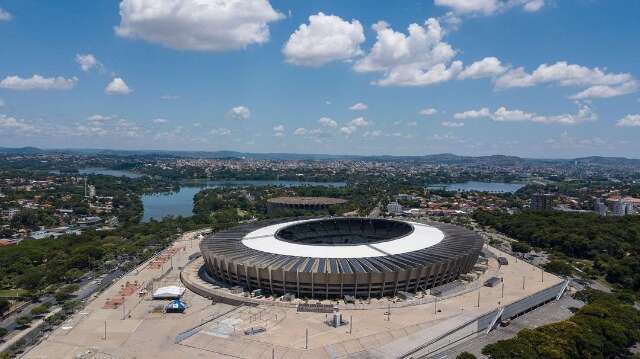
(169, 97)
(159, 120)
(487, 67)
(117, 86)
(503, 114)
(359, 122)
(325, 39)
(420, 58)
(601, 83)
(327, 122)
(5, 15)
(605, 91)
(37, 82)
(373, 134)
(428, 111)
(204, 25)
(239, 113)
(348, 130)
(98, 120)
(359, 107)
(629, 121)
(489, 7)
(278, 128)
(88, 62)
(483, 112)
(301, 131)
(12, 124)
(452, 124)
(220, 131)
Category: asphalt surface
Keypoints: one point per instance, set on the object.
(549, 313)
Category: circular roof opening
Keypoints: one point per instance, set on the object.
(344, 231)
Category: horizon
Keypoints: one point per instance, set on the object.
(152, 151)
(323, 78)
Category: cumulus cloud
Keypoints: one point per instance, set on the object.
(88, 62)
(599, 82)
(502, 114)
(14, 125)
(359, 122)
(348, 130)
(117, 86)
(452, 124)
(221, 131)
(98, 120)
(487, 67)
(428, 111)
(420, 58)
(605, 91)
(629, 121)
(372, 134)
(37, 82)
(278, 131)
(359, 107)
(169, 97)
(483, 112)
(325, 39)
(159, 121)
(239, 113)
(300, 131)
(5, 15)
(203, 25)
(489, 7)
(327, 122)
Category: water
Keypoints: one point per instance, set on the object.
(181, 203)
(490, 187)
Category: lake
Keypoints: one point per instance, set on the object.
(181, 203)
(490, 187)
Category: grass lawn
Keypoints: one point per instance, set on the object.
(12, 293)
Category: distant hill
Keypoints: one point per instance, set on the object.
(442, 158)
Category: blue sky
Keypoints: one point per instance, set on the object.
(535, 78)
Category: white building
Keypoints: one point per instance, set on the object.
(394, 207)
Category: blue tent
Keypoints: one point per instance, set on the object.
(176, 306)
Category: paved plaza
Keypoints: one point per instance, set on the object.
(139, 328)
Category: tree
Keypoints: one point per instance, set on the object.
(465, 355)
(24, 321)
(520, 247)
(39, 310)
(4, 306)
(560, 267)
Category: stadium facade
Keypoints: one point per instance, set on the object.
(332, 257)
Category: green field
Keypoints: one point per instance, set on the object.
(12, 293)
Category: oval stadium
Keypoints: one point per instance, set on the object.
(327, 258)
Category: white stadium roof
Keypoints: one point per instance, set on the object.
(265, 240)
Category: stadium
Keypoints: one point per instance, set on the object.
(328, 258)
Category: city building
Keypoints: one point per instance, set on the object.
(600, 207)
(394, 208)
(542, 202)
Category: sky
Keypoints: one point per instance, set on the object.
(532, 78)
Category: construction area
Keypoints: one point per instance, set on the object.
(235, 325)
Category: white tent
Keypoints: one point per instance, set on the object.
(170, 292)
